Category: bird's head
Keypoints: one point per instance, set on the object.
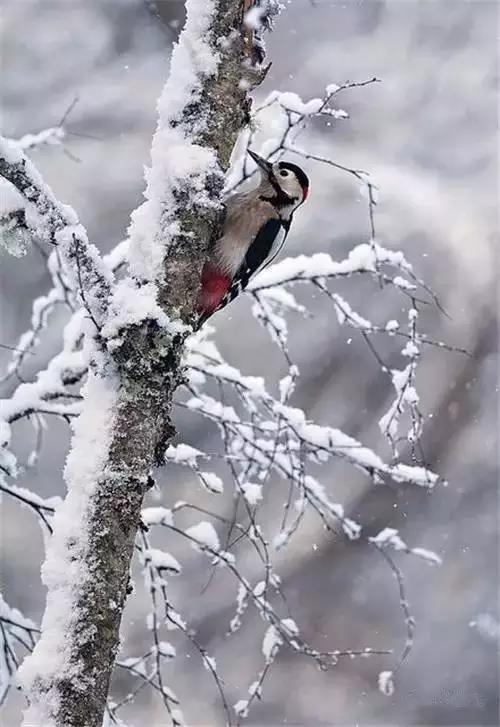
(286, 184)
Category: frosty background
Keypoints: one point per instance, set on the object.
(427, 135)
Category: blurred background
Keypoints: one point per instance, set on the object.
(427, 133)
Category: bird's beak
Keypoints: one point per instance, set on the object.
(266, 166)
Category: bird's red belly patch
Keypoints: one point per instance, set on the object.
(214, 286)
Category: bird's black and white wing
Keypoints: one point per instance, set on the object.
(266, 245)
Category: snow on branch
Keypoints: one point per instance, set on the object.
(16, 631)
(50, 136)
(58, 224)
(281, 631)
(18, 223)
(43, 307)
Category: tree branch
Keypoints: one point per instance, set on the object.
(58, 224)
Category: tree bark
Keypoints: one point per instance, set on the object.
(134, 412)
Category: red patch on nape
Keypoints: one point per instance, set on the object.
(305, 193)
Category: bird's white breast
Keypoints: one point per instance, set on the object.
(246, 215)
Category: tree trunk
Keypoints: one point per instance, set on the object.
(125, 423)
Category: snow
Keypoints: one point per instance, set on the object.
(51, 221)
(192, 60)
(241, 708)
(427, 555)
(10, 151)
(487, 627)
(8, 462)
(13, 237)
(85, 268)
(130, 304)
(410, 350)
(157, 516)
(179, 165)
(336, 113)
(252, 493)
(161, 560)
(287, 385)
(166, 649)
(351, 528)
(22, 493)
(211, 482)
(411, 395)
(389, 537)
(389, 422)
(68, 560)
(290, 625)
(136, 663)
(255, 689)
(330, 439)
(175, 621)
(322, 440)
(270, 645)
(386, 683)
(346, 313)
(259, 589)
(403, 283)
(14, 628)
(263, 311)
(413, 473)
(209, 663)
(332, 88)
(362, 258)
(212, 408)
(118, 255)
(283, 299)
(183, 454)
(292, 102)
(242, 600)
(253, 18)
(281, 539)
(42, 308)
(93, 432)
(50, 212)
(5, 433)
(53, 136)
(205, 535)
(253, 384)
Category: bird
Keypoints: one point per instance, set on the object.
(254, 230)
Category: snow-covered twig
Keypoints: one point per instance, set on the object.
(15, 631)
(58, 224)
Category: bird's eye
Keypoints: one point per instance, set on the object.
(284, 173)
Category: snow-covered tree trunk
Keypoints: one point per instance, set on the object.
(134, 347)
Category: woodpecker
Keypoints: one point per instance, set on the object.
(254, 230)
